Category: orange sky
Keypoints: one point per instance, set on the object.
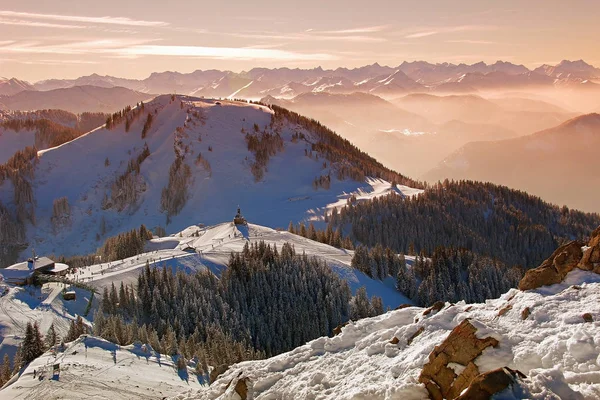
(70, 38)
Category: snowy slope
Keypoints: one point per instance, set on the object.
(213, 248)
(91, 367)
(78, 171)
(45, 305)
(554, 347)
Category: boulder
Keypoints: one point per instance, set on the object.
(338, 329)
(555, 268)
(587, 317)
(525, 313)
(462, 346)
(484, 386)
(437, 306)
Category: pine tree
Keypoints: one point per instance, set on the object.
(51, 337)
(5, 370)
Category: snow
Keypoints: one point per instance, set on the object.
(213, 197)
(554, 347)
(44, 305)
(91, 367)
(11, 142)
(213, 248)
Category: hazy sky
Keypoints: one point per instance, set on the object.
(132, 38)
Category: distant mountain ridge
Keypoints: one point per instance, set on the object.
(553, 163)
(375, 78)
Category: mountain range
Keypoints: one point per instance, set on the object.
(418, 76)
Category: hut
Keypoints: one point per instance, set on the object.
(239, 218)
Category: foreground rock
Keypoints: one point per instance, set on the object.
(484, 386)
(462, 347)
(564, 260)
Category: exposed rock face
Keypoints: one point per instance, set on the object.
(591, 257)
(241, 388)
(484, 386)
(555, 268)
(587, 317)
(462, 346)
(525, 313)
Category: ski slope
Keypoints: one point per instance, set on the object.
(554, 347)
(91, 367)
(84, 170)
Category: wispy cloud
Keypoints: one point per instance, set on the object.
(306, 36)
(134, 48)
(22, 22)
(419, 32)
(367, 29)
(468, 41)
(76, 18)
(229, 53)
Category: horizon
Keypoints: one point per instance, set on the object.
(68, 39)
(241, 71)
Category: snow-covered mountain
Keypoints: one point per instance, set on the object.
(8, 87)
(540, 343)
(195, 162)
(570, 69)
(408, 77)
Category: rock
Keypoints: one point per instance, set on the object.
(587, 317)
(414, 335)
(394, 340)
(461, 346)
(217, 371)
(402, 306)
(484, 386)
(338, 329)
(437, 306)
(590, 261)
(525, 313)
(241, 388)
(555, 268)
(504, 310)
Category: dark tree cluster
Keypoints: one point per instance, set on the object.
(175, 195)
(124, 245)
(127, 114)
(350, 162)
(378, 263)
(263, 145)
(327, 236)
(456, 274)
(508, 225)
(266, 302)
(47, 133)
(127, 187)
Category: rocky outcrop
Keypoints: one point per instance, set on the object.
(555, 268)
(484, 386)
(564, 260)
(462, 346)
(241, 388)
(591, 256)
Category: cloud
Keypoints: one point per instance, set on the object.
(134, 48)
(21, 22)
(368, 29)
(93, 20)
(229, 53)
(306, 36)
(419, 32)
(468, 41)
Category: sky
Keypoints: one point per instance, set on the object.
(131, 39)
